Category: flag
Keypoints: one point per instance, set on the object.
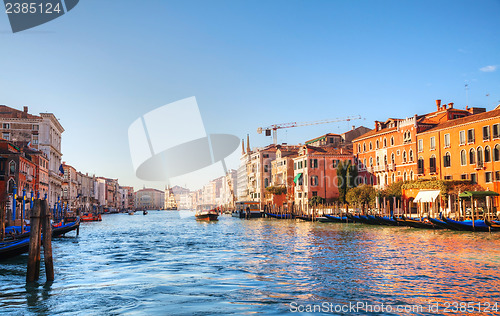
(61, 170)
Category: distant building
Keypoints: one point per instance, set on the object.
(149, 199)
(170, 202)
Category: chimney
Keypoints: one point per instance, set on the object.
(242, 147)
(376, 126)
(248, 144)
(25, 109)
(353, 127)
(450, 105)
(438, 104)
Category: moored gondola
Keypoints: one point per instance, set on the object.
(493, 224)
(469, 225)
(13, 248)
(426, 224)
(62, 228)
(338, 219)
(279, 216)
(440, 223)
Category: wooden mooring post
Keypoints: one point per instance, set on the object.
(40, 225)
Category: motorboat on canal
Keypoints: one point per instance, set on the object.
(90, 217)
(130, 212)
(207, 215)
(14, 247)
(144, 212)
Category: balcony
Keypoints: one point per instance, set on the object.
(479, 165)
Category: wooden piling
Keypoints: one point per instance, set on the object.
(33, 272)
(3, 209)
(47, 240)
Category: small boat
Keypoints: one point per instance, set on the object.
(279, 216)
(386, 220)
(13, 248)
(324, 219)
(338, 219)
(144, 212)
(419, 223)
(307, 218)
(90, 217)
(207, 215)
(440, 223)
(63, 227)
(477, 225)
(130, 212)
(14, 232)
(493, 224)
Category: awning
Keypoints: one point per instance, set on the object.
(477, 194)
(297, 177)
(426, 196)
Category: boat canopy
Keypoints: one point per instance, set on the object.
(426, 196)
(297, 177)
(477, 194)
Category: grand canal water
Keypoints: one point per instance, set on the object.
(166, 264)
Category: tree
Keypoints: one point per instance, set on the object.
(347, 176)
(364, 195)
(316, 200)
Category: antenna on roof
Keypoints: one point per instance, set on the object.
(466, 93)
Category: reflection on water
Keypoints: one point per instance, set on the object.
(163, 263)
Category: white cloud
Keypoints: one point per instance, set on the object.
(488, 68)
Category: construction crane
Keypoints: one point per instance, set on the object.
(274, 128)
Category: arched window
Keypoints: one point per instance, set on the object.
(487, 154)
(377, 144)
(404, 156)
(447, 160)
(378, 161)
(420, 165)
(364, 147)
(371, 161)
(411, 155)
(463, 157)
(393, 158)
(479, 155)
(359, 148)
(370, 146)
(411, 175)
(392, 140)
(404, 176)
(266, 182)
(12, 167)
(472, 156)
(385, 160)
(11, 185)
(385, 142)
(393, 178)
(496, 153)
(364, 162)
(385, 180)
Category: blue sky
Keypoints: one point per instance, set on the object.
(249, 64)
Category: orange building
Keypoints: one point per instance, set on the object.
(466, 148)
(388, 153)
